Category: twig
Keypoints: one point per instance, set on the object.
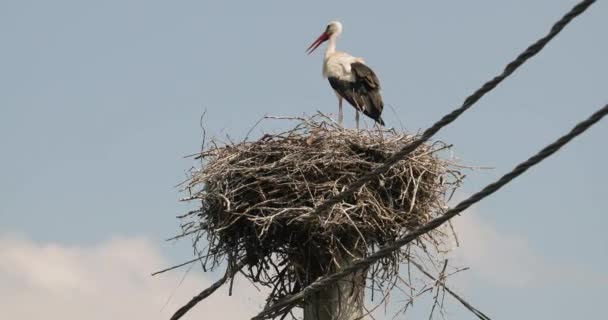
(467, 305)
(230, 272)
(178, 266)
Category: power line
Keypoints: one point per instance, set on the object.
(531, 51)
(407, 149)
(322, 282)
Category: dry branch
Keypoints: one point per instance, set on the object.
(256, 200)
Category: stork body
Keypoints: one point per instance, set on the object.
(351, 79)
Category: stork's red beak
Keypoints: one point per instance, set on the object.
(322, 38)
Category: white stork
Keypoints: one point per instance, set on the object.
(350, 78)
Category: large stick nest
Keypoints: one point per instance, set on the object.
(257, 199)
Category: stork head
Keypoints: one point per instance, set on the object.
(333, 29)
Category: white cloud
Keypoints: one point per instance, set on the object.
(509, 260)
(110, 280)
(501, 258)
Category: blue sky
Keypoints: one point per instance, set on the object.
(101, 100)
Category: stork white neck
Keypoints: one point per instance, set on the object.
(331, 45)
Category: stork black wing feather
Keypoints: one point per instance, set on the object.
(366, 74)
(363, 93)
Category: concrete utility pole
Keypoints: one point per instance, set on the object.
(340, 301)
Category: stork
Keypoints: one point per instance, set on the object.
(350, 78)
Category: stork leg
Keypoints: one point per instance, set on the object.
(357, 118)
(340, 115)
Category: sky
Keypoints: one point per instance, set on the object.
(100, 102)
